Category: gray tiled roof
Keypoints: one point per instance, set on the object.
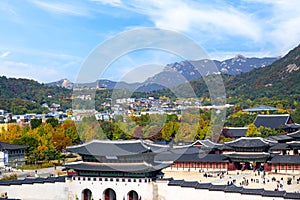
(119, 167)
(6, 146)
(280, 138)
(291, 195)
(33, 180)
(280, 146)
(110, 148)
(261, 108)
(248, 156)
(189, 184)
(272, 193)
(271, 121)
(176, 182)
(248, 142)
(202, 158)
(252, 191)
(203, 185)
(217, 187)
(289, 159)
(235, 132)
(294, 135)
(294, 145)
(234, 189)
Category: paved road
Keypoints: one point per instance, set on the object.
(45, 172)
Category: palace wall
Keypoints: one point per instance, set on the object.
(37, 191)
(71, 189)
(167, 192)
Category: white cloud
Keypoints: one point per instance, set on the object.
(274, 27)
(5, 54)
(109, 2)
(189, 16)
(62, 8)
(285, 25)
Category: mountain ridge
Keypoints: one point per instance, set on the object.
(177, 73)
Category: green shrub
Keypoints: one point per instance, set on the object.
(10, 177)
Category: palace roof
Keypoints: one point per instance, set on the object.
(281, 138)
(235, 132)
(249, 142)
(110, 148)
(118, 167)
(248, 156)
(288, 159)
(261, 108)
(202, 158)
(280, 146)
(295, 135)
(272, 121)
(6, 146)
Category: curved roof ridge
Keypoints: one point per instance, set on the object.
(244, 127)
(274, 115)
(248, 138)
(108, 141)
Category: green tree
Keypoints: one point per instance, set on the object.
(34, 123)
(118, 118)
(31, 142)
(52, 121)
(169, 130)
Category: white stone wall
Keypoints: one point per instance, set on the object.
(37, 191)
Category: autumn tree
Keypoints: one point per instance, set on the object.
(60, 141)
(252, 131)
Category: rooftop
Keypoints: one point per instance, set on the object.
(7, 146)
(272, 121)
(248, 142)
(235, 132)
(261, 108)
(110, 148)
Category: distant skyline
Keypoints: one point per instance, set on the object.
(48, 40)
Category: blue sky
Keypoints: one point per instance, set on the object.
(49, 40)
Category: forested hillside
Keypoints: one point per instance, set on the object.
(22, 95)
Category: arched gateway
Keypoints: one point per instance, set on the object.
(128, 164)
(109, 194)
(132, 195)
(86, 194)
